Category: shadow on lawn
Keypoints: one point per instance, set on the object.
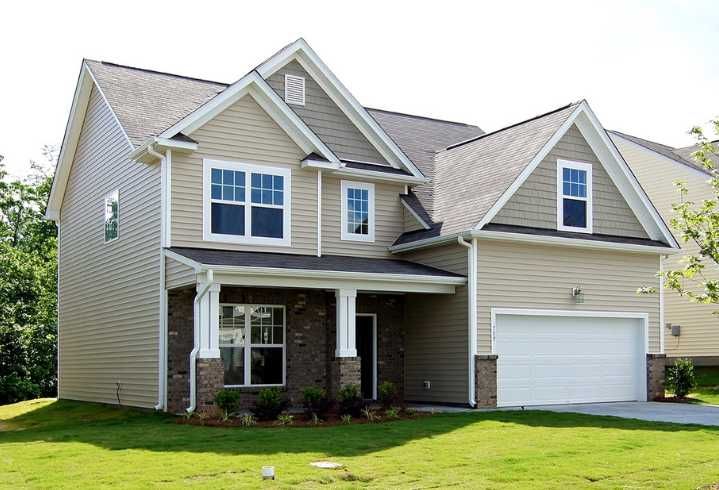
(121, 429)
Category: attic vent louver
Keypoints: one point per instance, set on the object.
(294, 90)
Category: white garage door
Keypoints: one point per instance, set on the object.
(546, 359)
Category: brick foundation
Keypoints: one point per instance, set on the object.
(344, 371)
(655, 376)
(485, 380)
(210, 374)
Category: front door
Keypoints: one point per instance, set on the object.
(365, 339)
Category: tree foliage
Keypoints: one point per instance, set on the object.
(28, 303)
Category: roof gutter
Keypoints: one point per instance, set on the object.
(472, 315)
(147, 147)
(196, 343)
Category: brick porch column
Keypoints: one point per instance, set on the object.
(344, 371)
(656, 364)
(345, 367)
(485, 379)
(210, 380)
(210, 369)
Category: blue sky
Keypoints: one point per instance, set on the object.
(647, 68)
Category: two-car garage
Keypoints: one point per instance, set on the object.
(555, 357)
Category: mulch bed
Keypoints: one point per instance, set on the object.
(675, 399)
(301, 420)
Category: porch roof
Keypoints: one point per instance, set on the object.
(326, 263)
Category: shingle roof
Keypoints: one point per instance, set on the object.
(471, 177)
(679, 155)
(411, 200)
(332, 263)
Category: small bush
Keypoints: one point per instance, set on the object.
(316, 420)
(387, 393)
(680, 377)
(248, 420)
(315, 401)
(14, 389)
(350, 401)
(269, 404)
(227, 401)
(285, 419)
(346, 419)
(392, 413)
(370, 415)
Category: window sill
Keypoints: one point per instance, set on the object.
(575, 229)
(254, 388)
(357, 238)
(243, 240)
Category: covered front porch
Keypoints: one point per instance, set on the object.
(246, 329)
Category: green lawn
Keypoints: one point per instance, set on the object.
(45, 443)
(707, 389)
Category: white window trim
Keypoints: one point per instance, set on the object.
(344, 234)
(248, 168)
(304, 89)
(247, 348)
(110, 195)
(587, 167)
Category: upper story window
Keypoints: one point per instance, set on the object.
(112, 216)
(357, 211)
(574, 196)
(294, 90)
(246, 203)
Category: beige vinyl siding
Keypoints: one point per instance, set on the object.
(109, 292)
(178, 274)
(699, 327)
(388, 220)
(535, 202)
(514, 275)
(326, 119)
(244, 132)
(436, 333)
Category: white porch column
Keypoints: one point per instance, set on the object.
(210, 324)
(346, 301)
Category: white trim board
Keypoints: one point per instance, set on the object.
(414, 214)
(613, 163)
(588, 199)
(301, 52)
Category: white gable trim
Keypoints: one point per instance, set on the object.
(85, 83)
(254, 85)
(414, 214)
(613, 163)
(301, 52)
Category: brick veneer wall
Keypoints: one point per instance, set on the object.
(485, 380)
(210, 380)
(179, 344)
(656, 364)
(344, 371)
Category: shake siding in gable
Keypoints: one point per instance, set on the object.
(242, 133)
(436, 333)
(535, 202)
(513, 275)
(109, 292)
(699, 326)
(326, 119)
(389, 221)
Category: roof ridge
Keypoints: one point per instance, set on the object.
(158, 72)
(423, 117)
(671, 148)
(455, 145)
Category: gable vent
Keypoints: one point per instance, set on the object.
(294, 90)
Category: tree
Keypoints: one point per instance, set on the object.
(697, 223)
(28, 303)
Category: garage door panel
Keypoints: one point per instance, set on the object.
(548, 360)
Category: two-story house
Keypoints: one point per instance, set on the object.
(275, 232)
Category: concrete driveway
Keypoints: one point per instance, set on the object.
(679, 413)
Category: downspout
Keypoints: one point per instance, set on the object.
(162, 337)
(472, 312)
(196, 345)
(319, 213)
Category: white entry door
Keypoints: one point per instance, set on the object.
(546, 359)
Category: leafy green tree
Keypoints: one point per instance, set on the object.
(28, 305)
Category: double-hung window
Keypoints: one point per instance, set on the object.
(246, 203)
(357, 211)
(112, 216)
(574, 196)
(252, 344)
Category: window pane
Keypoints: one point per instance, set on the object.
(228, 219)
(267, 222)
(357, 211)
(278, 198)
(257, 180)
(232, 326)
(266, 197)
(279, 183)
(233, 360)
(112, 215)
(216, 176)
(228, 193)
(575, 213)
(216, 191)
(266, 365)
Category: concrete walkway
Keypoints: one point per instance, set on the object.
(679, 413)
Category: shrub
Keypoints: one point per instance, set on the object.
(680, 377)
(315, 401)
(350, 401)
(227, 401)
(387, 393)
(248, 420)
(370, 415)
(285, 419)
(14, 389)
(346, 419)
(392, 413)
(316, 420)
(269, 404)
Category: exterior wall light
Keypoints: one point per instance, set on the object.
(578, 295)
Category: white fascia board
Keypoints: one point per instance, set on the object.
(382, 176)
(572, 242)
(184, 260)
(257, 87)
(301, 52)
(414, 214)
(428, 242)
(320, 164)
(182, 146)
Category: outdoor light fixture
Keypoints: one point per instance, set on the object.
(578, 295)
(268, 472)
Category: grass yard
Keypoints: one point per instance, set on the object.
(45, 443)
(707, 389)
